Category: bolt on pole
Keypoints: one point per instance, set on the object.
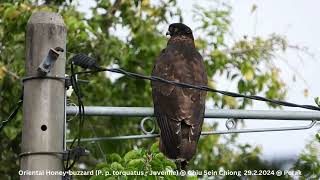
(43, 101)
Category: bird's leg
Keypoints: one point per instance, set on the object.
(181, 164)
(184, 165)
(178, 164)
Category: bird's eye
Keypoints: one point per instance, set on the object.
(175, 29)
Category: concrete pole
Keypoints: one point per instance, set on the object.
(43, 101)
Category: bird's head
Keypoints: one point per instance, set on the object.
(179, 29)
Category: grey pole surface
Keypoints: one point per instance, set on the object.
(43, 102)
(209, 113)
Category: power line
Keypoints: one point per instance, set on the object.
(13, 113)
(201, 87)
(89, 63)
(11, 116)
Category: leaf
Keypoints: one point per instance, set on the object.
(247, 70)
(230, 101)
(253, 8)
(241, 86)
(156, 164)
(10, 132)
(101, 165)
(318, 136)
(137, 164)
(212, 84)
(11, 12)
(98, 177)
(220, 39)
(317, 101)
(3, 71)
(155, 147)
(134, 154)
(160, 156)
(145, 3)
(116, 166)
(170, 163)
(192, 178)
(249, 74)
(114, 157)
(305, 92)
(234, 76)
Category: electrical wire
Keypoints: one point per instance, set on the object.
(13, 113)
(201, 87)
(76, 88)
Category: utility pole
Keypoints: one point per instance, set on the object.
(43, 101)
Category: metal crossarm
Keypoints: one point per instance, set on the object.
(209, 113)
(229, 114)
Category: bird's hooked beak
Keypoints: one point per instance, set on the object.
(168, 33)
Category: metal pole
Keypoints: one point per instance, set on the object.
(209, 113)
(43, 103)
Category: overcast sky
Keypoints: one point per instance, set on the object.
(298, 21)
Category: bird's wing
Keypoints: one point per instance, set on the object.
(163, 69)
(160, 93)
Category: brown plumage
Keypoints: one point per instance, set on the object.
(179, 111)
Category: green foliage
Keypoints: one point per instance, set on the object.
(317, 101)
(318, 136)
(141, 162)
(214, 155)
(239, 61)
(309, 161)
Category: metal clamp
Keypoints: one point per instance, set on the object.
(42, 77)
(65, 79)
(142, 125)
(47, 63)
(231, 124)
(69, 154)
(40, 153)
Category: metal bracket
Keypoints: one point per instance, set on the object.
(143, 129)
(230, 124)
(232, 130)
(47, 63)
(71, 154)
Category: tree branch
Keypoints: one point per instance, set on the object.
(14, 75)
(110, 13)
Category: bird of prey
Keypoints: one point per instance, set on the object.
(179, 111)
